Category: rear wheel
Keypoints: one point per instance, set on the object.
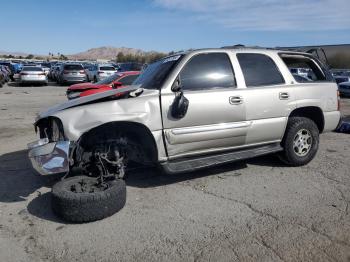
(95, 79)
(300, 141)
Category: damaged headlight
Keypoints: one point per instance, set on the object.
(51, 128)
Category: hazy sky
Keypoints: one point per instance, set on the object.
(70, 26)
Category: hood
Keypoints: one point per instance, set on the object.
(84, 100)
(81, 86)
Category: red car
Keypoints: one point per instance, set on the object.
(115, 81)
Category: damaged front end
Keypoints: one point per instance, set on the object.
(49, 158)
(50, 154)
(56, 152)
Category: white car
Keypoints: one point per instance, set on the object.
(99, 72)
(32, 74)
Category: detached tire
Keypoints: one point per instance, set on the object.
(300, 141)
(87, 206)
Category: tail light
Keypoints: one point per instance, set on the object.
(338, 95)
(23, 74)
(100, 72)
(82, 72)
(65, 72)
(42, 74)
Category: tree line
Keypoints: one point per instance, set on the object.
(139, 58)
(339, 60)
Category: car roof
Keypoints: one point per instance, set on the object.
(239, 49)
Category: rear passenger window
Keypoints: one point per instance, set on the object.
(304, 68)
(259, 70)
(208, 71)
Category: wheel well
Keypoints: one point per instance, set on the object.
(137, 133)
(312, 112)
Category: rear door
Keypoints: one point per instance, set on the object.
(268, 97)
(215, 119)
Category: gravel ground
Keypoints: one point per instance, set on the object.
(256, 210)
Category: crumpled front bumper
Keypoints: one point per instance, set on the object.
(49, 158)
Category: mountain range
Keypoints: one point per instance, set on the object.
(105, 52)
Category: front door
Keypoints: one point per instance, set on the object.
(216, 118)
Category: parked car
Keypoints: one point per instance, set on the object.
(114, 81)
(53, 73)
(341, 79)
(2, 79)
(46, 67)
(97, 73)
(344, 88)
(17, 67)
(32, 74)
(184, 112)
(6, 72)
(10, 66)
(71, 73)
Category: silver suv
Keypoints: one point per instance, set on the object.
(71, 73)
(193, 110)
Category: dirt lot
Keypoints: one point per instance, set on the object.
(247, 211)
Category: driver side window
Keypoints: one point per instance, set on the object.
(208, 71)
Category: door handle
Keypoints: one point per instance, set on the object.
(284, 96)
(236, 100)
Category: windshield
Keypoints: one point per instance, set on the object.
(154, 75)
(46, 65)
(108, 80)
(107, 68)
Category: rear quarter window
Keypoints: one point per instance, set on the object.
(304, 68)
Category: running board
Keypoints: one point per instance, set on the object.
(192, 164)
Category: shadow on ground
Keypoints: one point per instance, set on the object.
(151, 177)
(18, 179)
(41, 208)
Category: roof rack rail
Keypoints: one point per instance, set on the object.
(239, 46)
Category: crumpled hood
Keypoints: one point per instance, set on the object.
(84, 100)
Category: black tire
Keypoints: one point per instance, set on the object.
(84, 206)
(295, 125)
(95, 79)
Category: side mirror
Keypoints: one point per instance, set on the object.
(179, 106)
(117, 84)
